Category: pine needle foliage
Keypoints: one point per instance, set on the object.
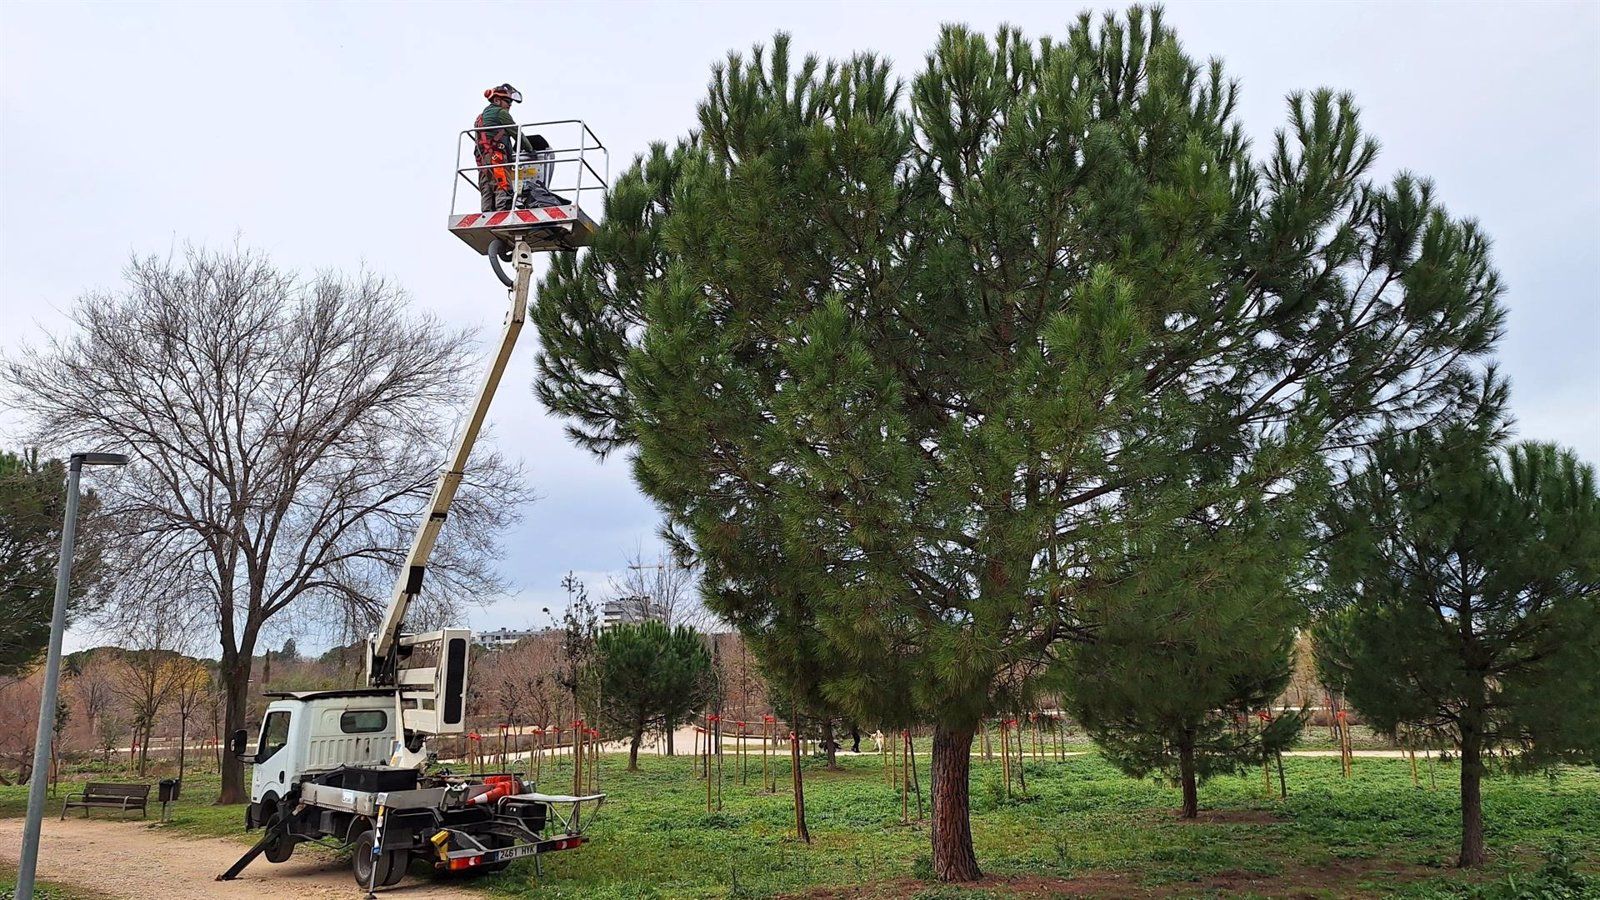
(1466, 589)
(1193, 645)
(650, 679)
(32, 504)
(910, 367)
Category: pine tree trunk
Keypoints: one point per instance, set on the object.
(633, 749)
(801, 831)
(1472, 853)
(953, 856)
(830, 744)
(669, 739)
(1191, 793)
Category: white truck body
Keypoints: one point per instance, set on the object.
(318, 732)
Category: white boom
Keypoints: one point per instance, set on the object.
(387, 645)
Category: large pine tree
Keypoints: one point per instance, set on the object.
(1467, 589)
(916, 366)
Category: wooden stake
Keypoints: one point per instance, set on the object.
(577, 757)
(883, 757)
(718, 734)
(916, 781)
(1005, 755)
(905, 783)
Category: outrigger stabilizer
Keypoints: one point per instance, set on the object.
(275, 834)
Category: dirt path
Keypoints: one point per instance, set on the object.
(132, 861)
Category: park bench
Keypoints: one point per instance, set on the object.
(108, 796)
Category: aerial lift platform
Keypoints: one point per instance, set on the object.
(352, 768)
(567, 169)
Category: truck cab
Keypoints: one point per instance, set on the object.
(317, 731)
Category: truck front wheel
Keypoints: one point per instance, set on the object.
(282, 845)
(280, 849)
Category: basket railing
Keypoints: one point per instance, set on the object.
(567, 167)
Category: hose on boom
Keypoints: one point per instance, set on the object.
(500, 252)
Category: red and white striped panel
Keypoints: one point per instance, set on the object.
(514, 218)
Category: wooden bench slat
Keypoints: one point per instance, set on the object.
(108, 795)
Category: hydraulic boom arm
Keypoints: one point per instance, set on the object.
(385, 642)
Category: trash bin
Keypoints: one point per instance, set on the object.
(167, 790)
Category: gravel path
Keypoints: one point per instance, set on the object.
(133, 861)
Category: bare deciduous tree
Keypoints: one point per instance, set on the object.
(285, 431)
(665, 589)
(151, 667)
(190, 694)
(92, 683)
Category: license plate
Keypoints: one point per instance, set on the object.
(511, 853)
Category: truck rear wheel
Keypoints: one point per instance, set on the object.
(399, 861)
(362, 862)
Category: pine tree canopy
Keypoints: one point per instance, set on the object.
(914, 368)
(32, 502)
(1192, 645)
(1467, 589)
(650, 677)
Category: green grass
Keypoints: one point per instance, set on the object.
(1373, 834)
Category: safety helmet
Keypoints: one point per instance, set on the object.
(504, 90)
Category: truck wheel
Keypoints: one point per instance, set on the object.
(282, 847)
(399, 861)
(280, 850)
(362, 861)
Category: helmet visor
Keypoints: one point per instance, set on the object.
(516, 95)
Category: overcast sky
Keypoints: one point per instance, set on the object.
(322, 133)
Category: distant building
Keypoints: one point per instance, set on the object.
(629, 611)
(501, 638)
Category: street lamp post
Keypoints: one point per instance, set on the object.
(52, 672)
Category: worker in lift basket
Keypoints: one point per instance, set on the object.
(495, 146)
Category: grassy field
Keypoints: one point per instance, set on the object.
(1084, 828)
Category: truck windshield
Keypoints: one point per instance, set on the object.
(274, 733)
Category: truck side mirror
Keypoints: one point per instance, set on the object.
(236, 744)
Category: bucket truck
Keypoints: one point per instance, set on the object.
(354, 768)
